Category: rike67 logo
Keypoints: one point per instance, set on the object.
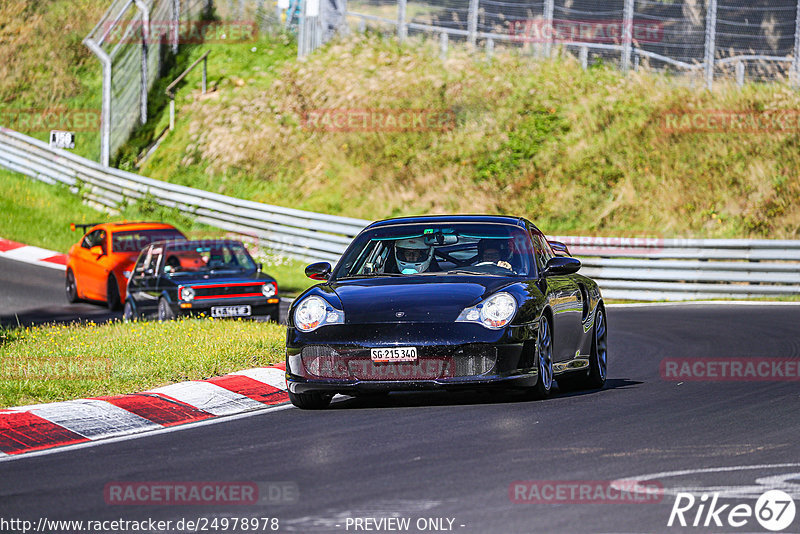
(774, 510)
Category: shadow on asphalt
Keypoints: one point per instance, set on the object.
(415, 399)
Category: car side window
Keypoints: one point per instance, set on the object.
(93, 239)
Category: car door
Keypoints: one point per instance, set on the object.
(565, 299)
(90, 271)
(146, 285)
(135, 283)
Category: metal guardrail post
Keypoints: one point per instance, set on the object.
(176, 24)
(740, 73)
(584, 56)
(489, 48)
(443, 45)
(171, 94)
(144, 9)
(710, 47)
(472, 22)
(627, 34)
(105, 127)
(796, 58)
(547, 27)
(402, 29)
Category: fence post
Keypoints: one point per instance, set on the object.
(739, 73)
(176, 24)
(402, 31)
(145, 13)
(627, 34)
(105, 127)
(796, 58)
(584, 55)
(443, 45)
(711, 31)
(472, 22)
(547, 27)
(489, 48)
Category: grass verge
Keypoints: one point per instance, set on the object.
(62, 362)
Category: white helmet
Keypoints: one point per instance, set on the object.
(412, 255)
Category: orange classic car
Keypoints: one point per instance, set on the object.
(99, 265)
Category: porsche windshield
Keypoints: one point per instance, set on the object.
(199, 257)
(486, 249)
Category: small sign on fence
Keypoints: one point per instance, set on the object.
(61, 139)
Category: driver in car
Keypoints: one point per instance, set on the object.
(490, 252)
(413, 255)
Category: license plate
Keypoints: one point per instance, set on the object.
(394, 354)
(230, 311)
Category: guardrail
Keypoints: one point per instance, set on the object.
(686, 269)
(625, 268)
(304, 234)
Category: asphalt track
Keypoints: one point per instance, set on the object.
(455, 456)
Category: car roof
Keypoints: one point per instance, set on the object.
(496, 219)
(197, 242)
(133, 225)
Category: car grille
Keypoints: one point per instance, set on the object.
(212, 291)
(324, 361)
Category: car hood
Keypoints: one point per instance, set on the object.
(413, 299)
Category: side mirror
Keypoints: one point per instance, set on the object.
(97, 250)
(559, 248)
(259, 266)
(319, 271)
(561, 265)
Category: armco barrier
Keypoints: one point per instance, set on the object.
(687, 269)
(625, 268)
(304, 234)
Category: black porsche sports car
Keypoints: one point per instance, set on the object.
(215, 277)
(446, 302)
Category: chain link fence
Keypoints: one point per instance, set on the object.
(135, 39)
(756, 40)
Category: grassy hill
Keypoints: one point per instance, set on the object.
(582, 152)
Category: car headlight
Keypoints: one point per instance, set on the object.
(314, 312)
(269, 289)
(186, 293)
(494, 312)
